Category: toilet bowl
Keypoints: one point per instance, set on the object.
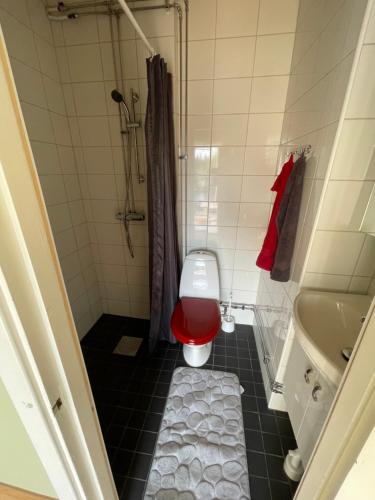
(196, 317)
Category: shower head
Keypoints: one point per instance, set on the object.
(117, 96)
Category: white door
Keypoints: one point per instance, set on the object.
(32, 272)
(22, 381)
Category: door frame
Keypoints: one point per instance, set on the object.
(22, 380)
(31, 267)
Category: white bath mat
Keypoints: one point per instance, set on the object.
(128, 346)
(201, 452)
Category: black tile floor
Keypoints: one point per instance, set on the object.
(130, 394)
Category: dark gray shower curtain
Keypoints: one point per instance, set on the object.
(161, 184)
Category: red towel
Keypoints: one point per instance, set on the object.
(267, 254)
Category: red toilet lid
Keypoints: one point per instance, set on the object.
(195, 321)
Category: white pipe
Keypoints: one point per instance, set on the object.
(52, 17)
(230, 306)
(136, 26)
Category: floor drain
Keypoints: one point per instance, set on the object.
(128, 346)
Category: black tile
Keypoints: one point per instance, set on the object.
(165, 376)
(246, 375)
(121, 416)
(230, 351)
(114, 435)
(219, 360)
(272, 444)
(148, 387)
(231, 362)
(249, 403)
(259, 489)
(130, 439)
(263, 406)
(243, 353)
(171, 354)
(253, 440)
(268, 424)
(136, 419)
(161, 389)
(242, 344)
(122, 462)
(146, 442)
(151, 375)
(244, 364)
(259, 390)
(248, 388)
(156, 364)
(152, 422)
(168, 364)
(220, 341)
(251, 420)
(255, 364)
(157, 405)
(142, 402)
(133, 489)
(140, 466)
(111, 453)
(293, 487)
(275, 467)
(256, 463)
(285, 428)
(280, 491)
(128, 400)
(219, 350)
(105, 414)
(288, 443)
(119, 482)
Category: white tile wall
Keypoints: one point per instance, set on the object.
(28, 36)
(239, 65)
(325, 41)
(341, 255)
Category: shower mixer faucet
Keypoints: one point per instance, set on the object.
(130, 216)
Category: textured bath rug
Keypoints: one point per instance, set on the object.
(128, 346)
(200, 453)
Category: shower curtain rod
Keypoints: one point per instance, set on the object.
(136, 26)
(67, 12)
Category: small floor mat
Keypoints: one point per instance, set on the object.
(128, 346)
(200, 453)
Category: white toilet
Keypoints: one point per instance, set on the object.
(196, 317)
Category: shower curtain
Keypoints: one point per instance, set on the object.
(161, 182)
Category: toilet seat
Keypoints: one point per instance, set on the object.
(195, 321)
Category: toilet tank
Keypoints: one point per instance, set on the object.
(200, 276)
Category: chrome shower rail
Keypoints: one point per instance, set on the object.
(74, 10)
(70, 12)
